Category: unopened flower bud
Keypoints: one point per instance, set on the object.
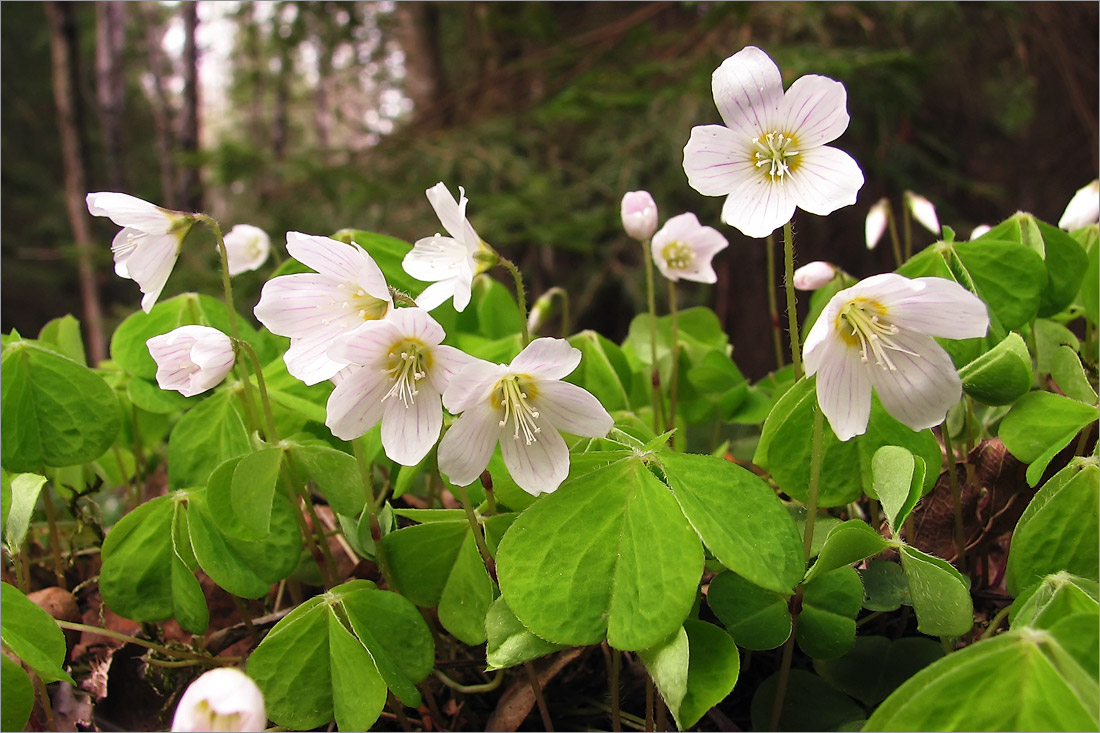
(191, 359)
(1083, 209)
(246, 248)
(814, 276)
(876, 222)
(923, 211)
(223, 699)
(979, 231)
(639, 215)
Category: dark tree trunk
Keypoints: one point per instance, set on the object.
(189, 118)
(161, 107)
(111, 87)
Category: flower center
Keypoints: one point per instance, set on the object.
(864, 326)
(678, 256)
(406, 364)
(515, 398)
(213, 720)
(364, 305)
(776, 154)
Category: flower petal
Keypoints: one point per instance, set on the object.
(130, 211)
(748, 90)
(538, 467)
(717, 160)
(447, 362)
(417, 324)
(297, 305)
(843, 388)
(815, 110)
(876, 222)
(339, 261)
(367, 346)
(468, 445)
(451, 213)
(436, 294)
(759, 207)
(463, 287)
(355, 405)
(307, 358)
(150, 264)
(546, 358)
(472, 385)
(923, 387)
(435, 258)
(826, 179)
(409, 432)
(930, 305)
(571, 409)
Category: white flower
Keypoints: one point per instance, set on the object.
(146, 248)
(1083, 209)
(639, 213)
(312, 309)
(771, 156)
(523, 406)
(450, 263)
(814, 276)
(246, 248)
(191, 359)
(683, 249)
(878, 333)
(403, 371)
(223, 699)
(923, 211)
(979, 231)
(877, 219)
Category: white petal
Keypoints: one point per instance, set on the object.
(468, 445)
(538, 467)
(417, 324)
(150, 264)
(546, 358)
(930, 305)
(679, 228)
(300, 304)
(247, 248)
(923, 211)
(463, 285)
(877, 219)
(1083, 209)
(122, 246)
(572, 409)
(814, 275)
(759, 207)
(748, 89)
(408, 433)
(436, 294)
(130, 211)
(307, 358)
(451, 213)
(979, 231)
(843, 388)
(923, 387)
(813, 346)
(221, 692)
(355, 405)
(447, 362)
(367, 345)
(815, 110)
(717, 160)
(472, 385)
(825, 180)
(339, 261)
(435, 258)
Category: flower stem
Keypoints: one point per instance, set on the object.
(675, 376)
(372, 513)
(815, 480)
(907, 227)
(521, 296)
(651, 298)
(540, 699)
(224, 255)
(773, 307)
(55, 539)
(949, 460)
(785, 664)
(265, 401)
(792, 311)
(894, 241)
(613, 685)
(147, 644)
(475, 527)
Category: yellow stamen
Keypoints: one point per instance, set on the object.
(407, 363)
(515, 394)
(863, 322)
(777, 154)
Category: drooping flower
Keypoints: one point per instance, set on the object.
(449, 263)
(923, 211)
(684, 248)
(814, 276)
(979, 231)
(146, 248)
(639, 213)
(522, 406)
(191, 359)
(402, 372)
(246, 248)
(879, 334)
(223, 699)
(875, 225)
(771, 155)
(314, 308)
(1083, 209)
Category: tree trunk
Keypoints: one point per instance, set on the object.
(189, 118)
(161, 107)
(417, 31)
(63, 53)
(111, 87)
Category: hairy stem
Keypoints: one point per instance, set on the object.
(773, 307)
(675, 377)
(521, 296)
(792, 310)
(651, 298)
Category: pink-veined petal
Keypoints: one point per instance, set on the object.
(813, 346)
(571, 409)
(815, 110)
(300, 304)
(472, 385)
(759, 206)
(923, 387)
(748, 90)
(546, 358)
(843, 389)
(717, 160)
(409, 432)
(468, 445)
(373, 282)
(327, 256)
(463, 286)
(307, 357)
(447, 362)
(417, 324)
(150, 264)
(435, 258)
(538, 467)
(130, 211)
(826, 179)
(355, 405)
(937, 307)
(436, 294)
(367, 345)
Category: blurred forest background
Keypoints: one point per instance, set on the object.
(319, 116)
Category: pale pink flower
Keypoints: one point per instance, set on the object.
(879, 334)
(639, 213)
(684, 248)
(771, 155)
(814, 276)
(522, 406)
(223, 699)
(191, 359)
(247, 248)
(1083, 209)
(923, 211)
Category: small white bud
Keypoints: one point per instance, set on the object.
(1083, 209)
(639, 213)
(876, 222)
(923, 211)
(814, 276)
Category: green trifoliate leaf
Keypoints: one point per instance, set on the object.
(830, 603)
(16, 695)
(809, 704)
(756, 618)
(31, 634)
(898, 477)
(846, 544)
(509, 641)
(24, 496)
(875, 666)
(940, 594)
(1000, 375)
(1069, 374)
(63, 336)
(205, 437)
(694, 670)
(1039, 426)
(1055, 597)
(884, 586)
(603, 371)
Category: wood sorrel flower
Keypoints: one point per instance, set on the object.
(401, 375)
(1083, 209)
(684, 248)
(223, 699)
(771, 156)
(522, 406)
(814, 275)
(449, 263)
(878, 333)
(314, 308)
(639, 213)
(191, 359)
(146, 248)
(246, 248)
(923, 211)
(875, 225)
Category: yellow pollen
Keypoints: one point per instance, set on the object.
(514, 394)
(406, 364)
(863, 323)
(777, 155)
(677, 255)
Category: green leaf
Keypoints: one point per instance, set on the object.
(1049, 337)
(845, 544)
(151, 398)
(63, 336)
(1019, 680)
(620, 560)
(809, 704)
(509, 641)
(668, 664)
(875, 666)
(422, 558)
(713, 668)
(1069, 374)
(603, 370)
(1009, 277)
(251, 492)
(136, 577)
(497, 313)
(884, 586)
(1058, 530)
(1039, 426)
(756, 618)
(188, 602)
(467, 596)
(738, 517)
(292, 667)
(32, 635)
(53, 411)
(205, 437)
(830, 602)
(894, 471)
(1089, 295)
(1066, 263)
(940, 594)
(1001, 375)
(24, 496)
(1079, 635)
(16, 695)
(1055, 597)
(358, 691)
